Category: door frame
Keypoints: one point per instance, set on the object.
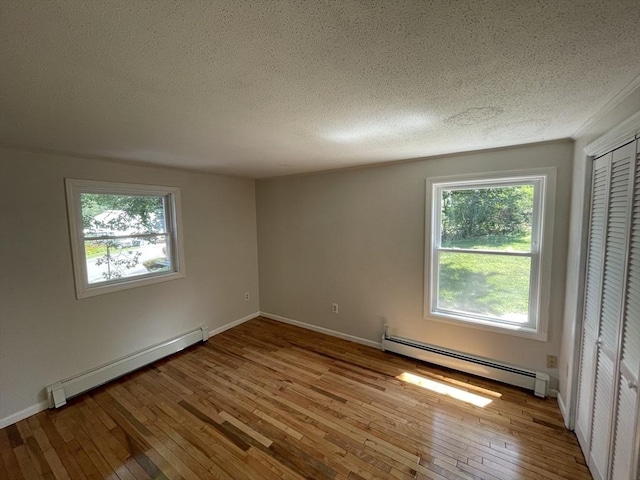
(626, 131)
(616, 137)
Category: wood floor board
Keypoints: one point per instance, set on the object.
(267, 400)
(4, 473)
(544, 465)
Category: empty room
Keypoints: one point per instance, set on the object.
(348, 239)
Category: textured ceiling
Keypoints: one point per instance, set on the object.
(265, 88)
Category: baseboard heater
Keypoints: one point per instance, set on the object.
(59, 392)
(483, 367)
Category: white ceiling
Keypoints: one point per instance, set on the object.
(266, 88)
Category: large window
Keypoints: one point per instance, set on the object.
(487, 238)
(123, 235)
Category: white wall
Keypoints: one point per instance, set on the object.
(356, 238)
(46, 334)
(612, 116)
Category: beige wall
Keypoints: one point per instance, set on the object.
(353, 237)
(571, 331)
(46, 334)
(356, 238)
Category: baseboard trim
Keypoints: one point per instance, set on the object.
(44, 405)
(563, 411)
(235, 323)
(327, 331)
(22, 414)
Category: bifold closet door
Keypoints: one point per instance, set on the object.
(613, 286)
(625, 443)
(593, 288)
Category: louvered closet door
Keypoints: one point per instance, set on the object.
(627, 382)
(613, 286)
(599, 196)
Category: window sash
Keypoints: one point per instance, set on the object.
(539, 184)
(169, 254)
(119, 237)
(532, 312)
(172, 233)
(486, 252)
(537, 181)
(166, 206)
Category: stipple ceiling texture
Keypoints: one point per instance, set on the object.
(266, 88)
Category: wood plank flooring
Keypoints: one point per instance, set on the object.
(269, 400)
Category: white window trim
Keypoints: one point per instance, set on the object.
(542, 290)
(74, 188)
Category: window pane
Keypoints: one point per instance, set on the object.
(496, 218)
(125, 258)
(485, 284)
(118, 215)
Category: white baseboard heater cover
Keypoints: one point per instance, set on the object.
(480, 366)
(59, 392)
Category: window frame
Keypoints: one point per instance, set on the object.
(540, 253)
(76, 187)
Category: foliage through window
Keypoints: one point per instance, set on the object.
(122, 235)
(486, 239)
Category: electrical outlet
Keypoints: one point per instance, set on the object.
(246, 296)
(334, 308)
(552, 361)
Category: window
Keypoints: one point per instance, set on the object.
(487, 252)
(123, 235)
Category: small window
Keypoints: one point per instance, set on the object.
(487, 240)
(123, 235)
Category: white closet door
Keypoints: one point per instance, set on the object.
(599, 196)
(625, 443)
(613, 285)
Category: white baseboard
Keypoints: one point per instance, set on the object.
(333, 333)
(563, 411)
(43, 405)
(59, 392)
(22, 414)
(235, 323)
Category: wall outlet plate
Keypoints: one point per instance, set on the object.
(552, 361)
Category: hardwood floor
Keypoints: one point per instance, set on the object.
(269, 400)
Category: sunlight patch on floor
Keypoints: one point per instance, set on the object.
(463, 385)
(444, 389)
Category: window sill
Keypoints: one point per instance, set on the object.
(487, 325)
